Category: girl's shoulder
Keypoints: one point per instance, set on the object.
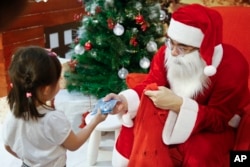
(51, 114)
(56, 125)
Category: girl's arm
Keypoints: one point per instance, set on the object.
(74, 141)
(10, 151)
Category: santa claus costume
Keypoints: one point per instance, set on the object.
(203, 132)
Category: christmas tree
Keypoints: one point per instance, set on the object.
(116, 37)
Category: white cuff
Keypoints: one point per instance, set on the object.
(178, 128)
(132, 99)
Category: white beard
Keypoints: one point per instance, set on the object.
(185, 74)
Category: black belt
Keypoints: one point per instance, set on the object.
(24, 165)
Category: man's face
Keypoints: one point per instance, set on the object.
(185, 73)
(185, 65)
(178, 49)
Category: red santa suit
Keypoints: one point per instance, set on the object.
(203, 132)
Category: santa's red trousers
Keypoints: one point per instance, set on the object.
(144, 147)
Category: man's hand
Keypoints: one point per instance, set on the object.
(121, 106)
(164, 98)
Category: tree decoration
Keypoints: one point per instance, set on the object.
(79, 49)
(144, 26)
(162, 15)
(115, 38)
(72, 64)
(98, 9)
(111, 24)
(139, 19)
(133, 41)
(122, 73)
(88, 45)
(151, 46)
(144, 63)
(118, 29)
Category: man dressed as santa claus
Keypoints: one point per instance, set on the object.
(186, 111)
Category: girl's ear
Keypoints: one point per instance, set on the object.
(45, 90)
(44, 93)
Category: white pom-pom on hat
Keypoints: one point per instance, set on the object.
(209, 70)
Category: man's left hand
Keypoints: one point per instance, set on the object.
(164, 98)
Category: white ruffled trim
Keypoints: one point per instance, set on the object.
(178, 128)
(210, 70)
(185, 34)
(118, 160)
(133, 104)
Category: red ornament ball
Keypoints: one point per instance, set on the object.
(144, 27)
(111, 24)
(139, 19)
(98, 9)
(133, 41)
(88, 46)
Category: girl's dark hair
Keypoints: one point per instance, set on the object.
(31, 68)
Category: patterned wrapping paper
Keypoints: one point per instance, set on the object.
(105, 107)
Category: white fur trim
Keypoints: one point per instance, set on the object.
(217, 56)
(210, 70)
(118, 160)
(234, 121)
(178, 128)
(133, 104)
(185, 34)
(127, 121)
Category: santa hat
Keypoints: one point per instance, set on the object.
(201, 27)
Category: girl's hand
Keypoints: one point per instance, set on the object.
(99, 117)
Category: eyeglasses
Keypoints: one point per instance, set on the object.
(182, 49)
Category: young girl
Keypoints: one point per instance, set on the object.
(34, 132)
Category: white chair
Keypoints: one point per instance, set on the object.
(112, 123)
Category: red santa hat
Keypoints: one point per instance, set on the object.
(201, 27)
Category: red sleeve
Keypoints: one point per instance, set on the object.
(228, 93)
(157, 73)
